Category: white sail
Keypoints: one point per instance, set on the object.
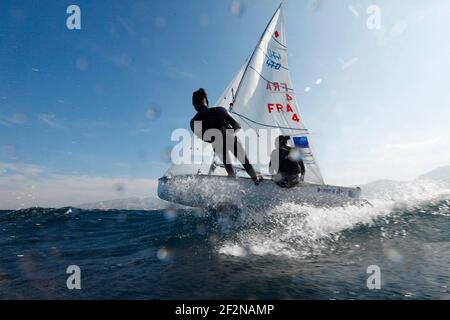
(261, 96)
(266, 98)
(226, 99)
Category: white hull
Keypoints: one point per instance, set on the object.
(216, 192)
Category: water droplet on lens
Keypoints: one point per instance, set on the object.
(153, 112)
(170, 214)
(164, 254)
(119, 187)
(160, 22)
(82, 64)
(295, 155)
(201, 229)
(236, 8)
(166, 154)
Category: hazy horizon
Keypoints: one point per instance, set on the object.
(86, 115)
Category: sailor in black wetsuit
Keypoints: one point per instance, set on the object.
(225, 139)
(286, 164)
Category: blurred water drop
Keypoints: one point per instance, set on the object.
(9, 150)
(164, 254)
(19, 118)
(295, 155)
(82, 64)
(236, 8)
(120, 187)
(198, 212)
(213, 238)
(98, 88)
(307, 89)
(319, 81)
(170, 214)
(201, 229)
(122, 217)
(141, 155)
(166, 154)
(153, 112)
(399, 28)
(277, 178)
(393, 254)
(160, 22)
(314, 5)
(224, 224)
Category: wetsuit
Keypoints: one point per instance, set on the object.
(219, 119)
(285, 169)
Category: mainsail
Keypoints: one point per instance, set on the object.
(261, 96)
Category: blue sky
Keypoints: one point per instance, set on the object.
(77, 106)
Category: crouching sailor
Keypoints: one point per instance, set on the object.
(286, 164)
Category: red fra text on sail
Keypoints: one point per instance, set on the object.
(278, 107)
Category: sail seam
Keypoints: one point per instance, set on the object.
(268, 125)
(284, 46)
(251, 67)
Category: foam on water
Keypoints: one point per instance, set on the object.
(299, 231)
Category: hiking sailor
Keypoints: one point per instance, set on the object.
(286, 164)
(219, 119)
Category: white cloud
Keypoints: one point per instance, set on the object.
(397, 161)
(50, 120)
(5, 123)
(28, 185)
(175, 72)
(22, 169)
(419, 144)
(349, 63)
(18, 118)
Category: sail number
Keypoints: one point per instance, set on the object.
(272, 64)
(278, 107)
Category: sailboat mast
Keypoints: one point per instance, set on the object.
(254, 51)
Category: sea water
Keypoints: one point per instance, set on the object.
(287, 252)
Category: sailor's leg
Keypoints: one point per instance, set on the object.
(221, 151)
(239, 153)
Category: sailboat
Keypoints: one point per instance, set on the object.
(260, 97)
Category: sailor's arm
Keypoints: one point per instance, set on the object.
(229, 119)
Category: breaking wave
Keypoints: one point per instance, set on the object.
(301, 231)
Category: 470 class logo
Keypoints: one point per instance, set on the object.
(272, 59)
(272, 64)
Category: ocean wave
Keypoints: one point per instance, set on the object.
(300, 231)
